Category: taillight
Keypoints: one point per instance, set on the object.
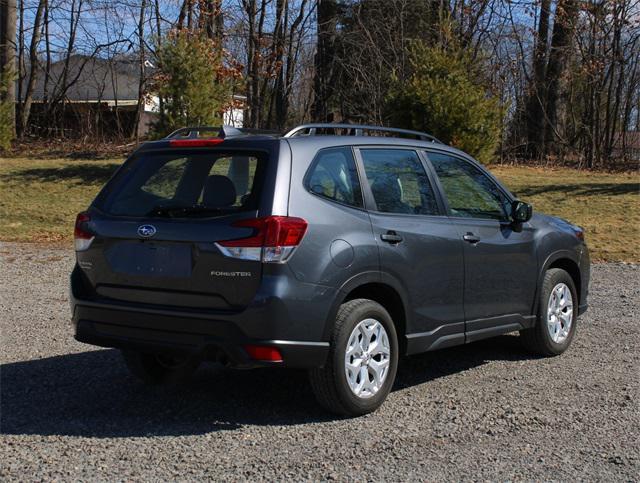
(82, 238)
(274, 239)
(194, 143)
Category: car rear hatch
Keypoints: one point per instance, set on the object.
(156, 233)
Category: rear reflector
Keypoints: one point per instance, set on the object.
(194, 143)
(263, 353)
(82, 238)
(274, 239)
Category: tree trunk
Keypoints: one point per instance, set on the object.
(211, 20)
(20, 58)
(563, 29)
(327, 15)
(159, 35)
(256, 21)
(293, 41)
(33, 70)
(8, 20)
(251, 11)
(142, 78)
(277, 106)
(186, 5)
(535, 109)
(47, 48)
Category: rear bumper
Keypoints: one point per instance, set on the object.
(210, 335)
(294, 353)
(154, 332)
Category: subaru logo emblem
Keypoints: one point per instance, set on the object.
(146, 231)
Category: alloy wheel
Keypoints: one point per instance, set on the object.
(560, 313)
(367, 358)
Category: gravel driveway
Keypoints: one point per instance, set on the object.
(481, 411)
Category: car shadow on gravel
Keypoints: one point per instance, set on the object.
(91, 394)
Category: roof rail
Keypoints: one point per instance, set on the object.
(194, 131)
(357, 130)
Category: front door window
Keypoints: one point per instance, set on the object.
(470, 193)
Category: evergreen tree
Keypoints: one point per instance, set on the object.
(445, 96)
(193, 82)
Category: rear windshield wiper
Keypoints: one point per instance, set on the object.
(178, 211)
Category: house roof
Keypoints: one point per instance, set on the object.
(97, 79)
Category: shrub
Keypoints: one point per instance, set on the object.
(192, 81)
(445, 97)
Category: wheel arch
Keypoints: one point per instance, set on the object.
(566, 261)
(572, 269)
(385, 291)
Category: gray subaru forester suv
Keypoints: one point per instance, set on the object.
(328, 248)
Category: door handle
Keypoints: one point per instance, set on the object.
(391, 237)
(471, 238)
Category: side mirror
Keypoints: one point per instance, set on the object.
(521, 212)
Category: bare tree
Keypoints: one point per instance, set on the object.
(561, 41)
(566, 71)
(536, 104)
(602, 104)
(142, 60)
(25, 108)
(325, 61)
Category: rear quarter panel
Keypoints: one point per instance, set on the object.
(339, 242)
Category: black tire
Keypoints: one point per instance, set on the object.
(330, 384)
(157, 369)
(538, 339)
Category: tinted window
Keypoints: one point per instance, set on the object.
(333, 175)
(469, 191)
(164, 181)
(240, 170)
(207, 183)
(399, 182)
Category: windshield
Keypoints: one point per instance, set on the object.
(184, 184)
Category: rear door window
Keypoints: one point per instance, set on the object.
(187, 185)
(398, 181)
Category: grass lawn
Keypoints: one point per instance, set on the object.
(40, 198)
(606, 205)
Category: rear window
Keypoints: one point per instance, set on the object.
(183, 184)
